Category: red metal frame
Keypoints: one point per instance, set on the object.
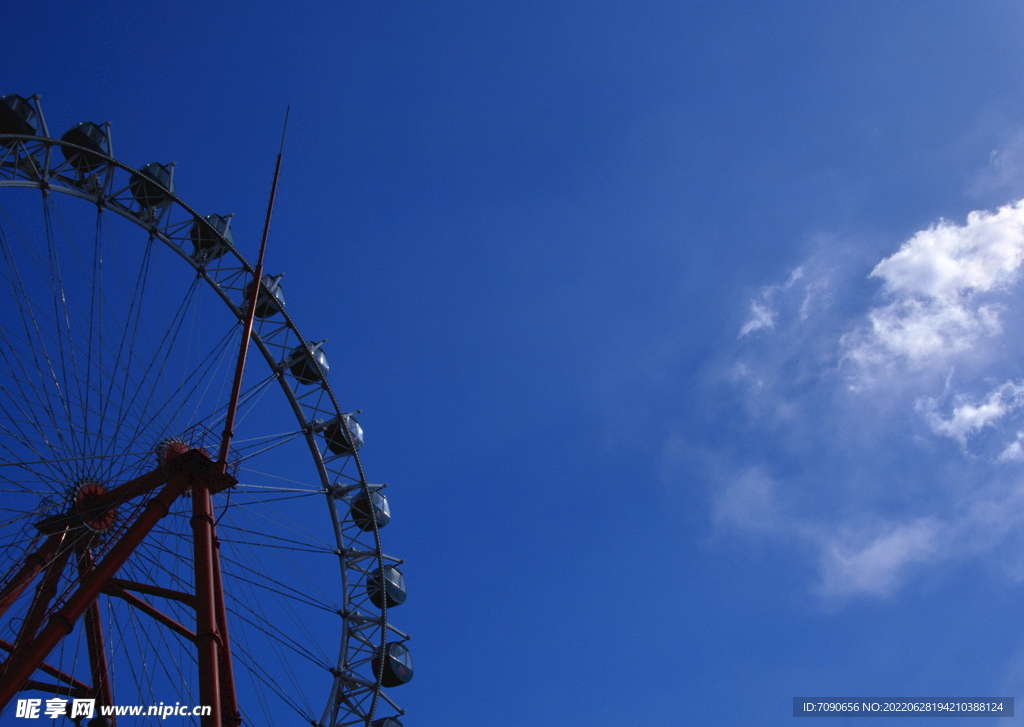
(45, 593)
(191, 470)
(34, 563)
(94, 638)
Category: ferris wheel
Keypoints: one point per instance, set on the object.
(172, 542)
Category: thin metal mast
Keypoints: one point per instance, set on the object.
(229, 420)
(216, 672)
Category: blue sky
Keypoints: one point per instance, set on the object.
(688, 335)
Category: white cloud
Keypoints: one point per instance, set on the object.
(1014, 451)
(876, 567)
(920, 332)
(805, 307)
(930, 338)
(969, 417)
(794, 276)
(1004, 174)
(859, 474)
(947, 261)
(748, 503)
(761, 316)
(935, 281)
(877, 563)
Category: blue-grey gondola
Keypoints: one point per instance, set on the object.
(92, 137)
(309, 369)
(397, 665)
(151, 186)
(393, 587)
(206, 234)
(17, 115)
(338, 442)
(365, 511)
(270, 301)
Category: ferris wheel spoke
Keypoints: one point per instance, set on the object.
(155, 649)
(37, 436)
(272, 489)
(158, 417)
(275, 488)
(283, 498)
(248, 401)
(56, 367)
(125, 351)
(21, 517)
(26, 403)
(106, 354)
(154, 637)
(20, 488)
(276, 639)
(161, 355)
(252, 611)
(29, 400)
(252, 451)
(61, 317)
(300, 623)
(38, 448)
(36, 491)
(282, 523)
(202, 384)
(22, 303)
(269, 584)
(94, 327)
(148, 564)
(270, 549)
(284, 683)
(266, 680)
(26, 375)
(274, 541)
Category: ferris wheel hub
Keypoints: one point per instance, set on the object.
(95, 516)
(98, 519)
(170, 449)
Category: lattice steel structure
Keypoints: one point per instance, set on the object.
(105, 383)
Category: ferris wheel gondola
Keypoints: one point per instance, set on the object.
(116, 342)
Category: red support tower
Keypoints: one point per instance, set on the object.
(182, 470)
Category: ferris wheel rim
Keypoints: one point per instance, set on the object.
(49, 181)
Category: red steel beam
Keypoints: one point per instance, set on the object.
(52, 671)
(34, 563)
(94, 638)
(100, 503)
(20, 665)
(229, 701)
(116, 585)
(45, 593)
(73, 692)
(151, 611)
(207, 637)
